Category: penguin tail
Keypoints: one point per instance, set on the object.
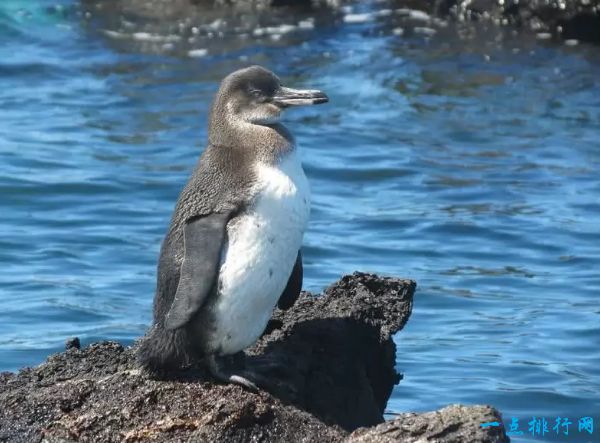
(162, 351)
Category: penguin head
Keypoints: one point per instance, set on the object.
(255, 95)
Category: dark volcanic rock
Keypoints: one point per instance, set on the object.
(72, 342)
(338, 357)
(330, 360)
(566, 19)
(455, 423)
(197, 28)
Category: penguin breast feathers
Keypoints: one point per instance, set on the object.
(260, 253)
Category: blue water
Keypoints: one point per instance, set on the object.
(468, 163)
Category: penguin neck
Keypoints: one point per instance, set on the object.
(268, 142)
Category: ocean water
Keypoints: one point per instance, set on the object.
(464, 158)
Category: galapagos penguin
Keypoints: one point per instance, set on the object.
(232, 250)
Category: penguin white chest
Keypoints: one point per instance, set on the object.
(261, 250)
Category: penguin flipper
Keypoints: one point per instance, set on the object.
(294, 286)
(203, 240)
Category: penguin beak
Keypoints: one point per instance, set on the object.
(285, 97)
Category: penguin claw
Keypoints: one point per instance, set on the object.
(254, 381)
(244, 382)
(227, 376)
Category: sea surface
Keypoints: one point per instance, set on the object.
(466, 158)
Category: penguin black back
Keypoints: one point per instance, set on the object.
(208, 190)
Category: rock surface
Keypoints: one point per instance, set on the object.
(181, 24)
(330, 359)
(455, 423)
(561, 19)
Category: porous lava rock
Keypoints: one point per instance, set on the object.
(330, 360)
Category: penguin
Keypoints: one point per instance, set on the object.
(232, 250)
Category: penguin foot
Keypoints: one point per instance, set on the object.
(244, 382)
(228, 376)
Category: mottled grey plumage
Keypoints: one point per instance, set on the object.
(220, 189)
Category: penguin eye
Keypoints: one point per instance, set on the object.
(255, 93)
